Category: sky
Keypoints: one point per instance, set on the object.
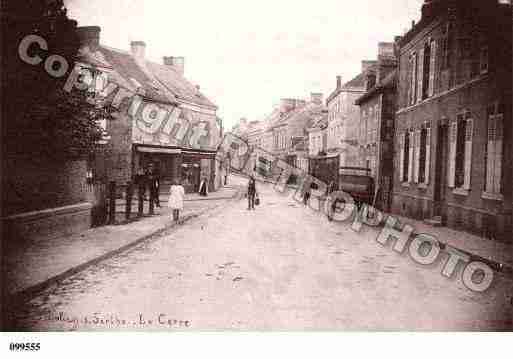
(246, 55)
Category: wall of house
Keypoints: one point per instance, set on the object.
(456, 88)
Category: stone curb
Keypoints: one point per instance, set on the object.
(26, 294)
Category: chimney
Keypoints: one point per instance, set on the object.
(138, 49)
(316, 97)
(339, 82)
(397, 46)
(386, 50)
(177, 62)
(366, 64)
(89, 36)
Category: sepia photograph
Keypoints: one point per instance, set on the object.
(256, 166)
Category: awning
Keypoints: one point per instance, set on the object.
(149, 149)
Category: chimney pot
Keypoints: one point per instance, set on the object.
(177, 62)
(316, 97)
(89, 36)
(138, 49)
(385, 50)
(339, 82)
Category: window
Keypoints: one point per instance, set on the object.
(460, 151)
(422, 155)
(405, 153)
(447, 46)
(460, 155)
(483, 59)
(432, 69)
(413, 79)
(494, 149)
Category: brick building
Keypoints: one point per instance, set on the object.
(453, 148)
(377, 112)
(158, 106)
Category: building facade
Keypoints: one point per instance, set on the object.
(344, 118)
(162, 118)
(376, 133)
(453, 148)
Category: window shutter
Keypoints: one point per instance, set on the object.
(498, 153)
(432, 69)
(451, 173)
(428, 155)
(410, 157)
(490, 154)
(468, 152)
(414, 80)
(416, 159)
(401, 156)
(420, 75)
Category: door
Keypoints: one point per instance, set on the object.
(439, 208)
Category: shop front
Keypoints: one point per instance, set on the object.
(165, 160)
(195, 166)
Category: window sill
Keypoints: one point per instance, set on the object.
(492, 196)
(405, 184)
(460, 191)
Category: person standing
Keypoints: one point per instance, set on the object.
(153, 184)
(252, 193)
(203, 188)
(175, 201)
(306, 195)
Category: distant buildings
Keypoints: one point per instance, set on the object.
(431, 119)
(344, 118)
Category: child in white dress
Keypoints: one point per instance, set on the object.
(175, 202)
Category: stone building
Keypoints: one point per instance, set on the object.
(317, 137)
(377, 112)
(453, 150)
(162, 118)
(344, 118)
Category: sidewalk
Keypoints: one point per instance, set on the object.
(494, 251)
(35, 266)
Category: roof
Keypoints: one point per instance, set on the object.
(306, 113)
(357, 83)
(388, 82)
(159, 83)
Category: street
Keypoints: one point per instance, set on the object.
(279, 267)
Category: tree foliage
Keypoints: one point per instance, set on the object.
(39, 117)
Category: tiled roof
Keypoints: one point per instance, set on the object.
(125, 65)
(178, 85)
(160, 83)
(388, 82)
(304, 113)
(358, 83)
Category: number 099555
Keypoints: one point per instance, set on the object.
(24, 346)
